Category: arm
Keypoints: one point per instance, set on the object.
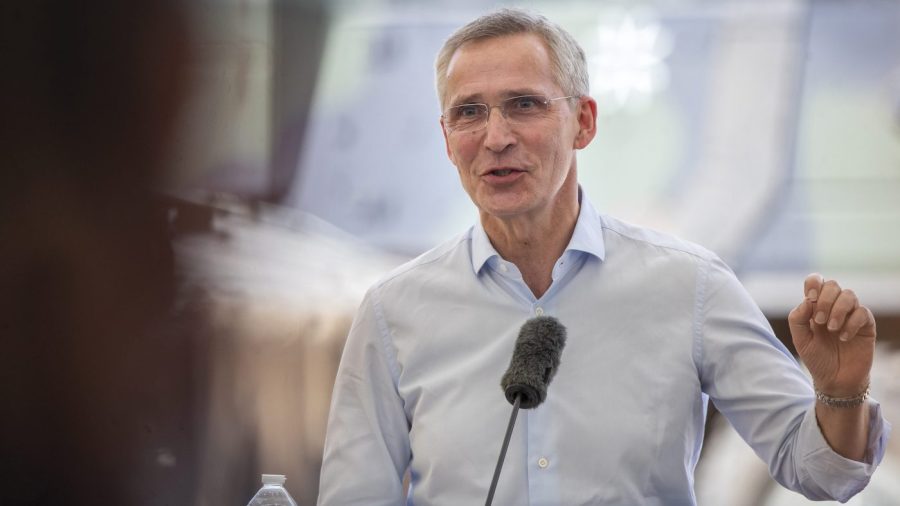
(758, 386)
(367, 442)
(835, 338)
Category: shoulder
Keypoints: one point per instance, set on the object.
(621, 237)
(661, 254)
(452, 257)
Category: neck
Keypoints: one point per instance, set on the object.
(533, 242)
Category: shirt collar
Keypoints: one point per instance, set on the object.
(587, 236)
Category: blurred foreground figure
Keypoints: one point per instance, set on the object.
(95, 377)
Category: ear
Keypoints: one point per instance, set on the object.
(587, 122)
(447, 141)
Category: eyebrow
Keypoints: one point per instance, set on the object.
(467, 99)
(477, 98)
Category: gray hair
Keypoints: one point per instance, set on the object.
(569, 66)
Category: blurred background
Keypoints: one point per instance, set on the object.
(197, 195)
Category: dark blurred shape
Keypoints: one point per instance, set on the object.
(111, 366)
(254, 70)
(299, 31)
(96, 365)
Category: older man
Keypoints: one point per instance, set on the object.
(657, 326)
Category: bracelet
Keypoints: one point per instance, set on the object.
(843, 402)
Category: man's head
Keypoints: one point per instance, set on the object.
(567, 59)
(515, 112)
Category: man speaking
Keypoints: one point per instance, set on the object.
(655, 327)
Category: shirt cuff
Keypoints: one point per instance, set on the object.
(840, 477)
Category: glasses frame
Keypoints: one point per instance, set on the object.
(503, 109)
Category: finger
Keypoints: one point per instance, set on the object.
(827, 297)
(812, 286)
(799, 322)
(860, 322)
(801, 315)
(845, 304)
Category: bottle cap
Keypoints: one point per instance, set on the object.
(273, 479)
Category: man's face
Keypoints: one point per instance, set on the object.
(507, 169)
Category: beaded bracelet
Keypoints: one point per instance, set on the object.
(843, 402)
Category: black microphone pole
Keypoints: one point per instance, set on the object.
(533, 364)
(509, 429)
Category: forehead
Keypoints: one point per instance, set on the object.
(496, 67)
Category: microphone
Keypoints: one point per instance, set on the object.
(534, 362)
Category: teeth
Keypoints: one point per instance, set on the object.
(503, 172)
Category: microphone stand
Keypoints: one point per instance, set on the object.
(509, 429)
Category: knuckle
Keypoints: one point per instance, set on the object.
(830, 292)
(846, 305)
(862, 317)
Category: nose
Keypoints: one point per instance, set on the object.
(498, 136)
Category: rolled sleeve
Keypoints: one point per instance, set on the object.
(832, 475)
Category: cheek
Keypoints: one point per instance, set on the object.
(464, 151)
(547, 147)
(461, 157)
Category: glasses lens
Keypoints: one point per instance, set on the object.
(525, 107)
(466, 116)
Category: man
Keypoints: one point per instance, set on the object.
(656, 326)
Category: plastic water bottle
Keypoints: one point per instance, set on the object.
(272, 492)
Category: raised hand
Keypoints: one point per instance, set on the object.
(834, 336)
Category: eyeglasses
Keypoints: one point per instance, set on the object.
(518, 110)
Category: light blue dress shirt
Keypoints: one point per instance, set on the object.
(656, 327)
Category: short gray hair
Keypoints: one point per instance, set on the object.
(567, 59)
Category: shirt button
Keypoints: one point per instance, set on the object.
(503, 267)
(539, 311)
(543, 463)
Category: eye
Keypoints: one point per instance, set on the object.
(529, 103)
(467, 111)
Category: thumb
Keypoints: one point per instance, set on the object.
(799, 319)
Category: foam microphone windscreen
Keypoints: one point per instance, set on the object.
(534, 361)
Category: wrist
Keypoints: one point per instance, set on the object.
(842, 399)
(840, 389)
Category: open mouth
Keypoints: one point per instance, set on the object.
(502, 172)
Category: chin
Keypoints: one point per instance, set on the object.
(504, 211)
(506, 204)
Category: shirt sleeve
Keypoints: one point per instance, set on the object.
(841, 478)
(367, 442)
(759, 387)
